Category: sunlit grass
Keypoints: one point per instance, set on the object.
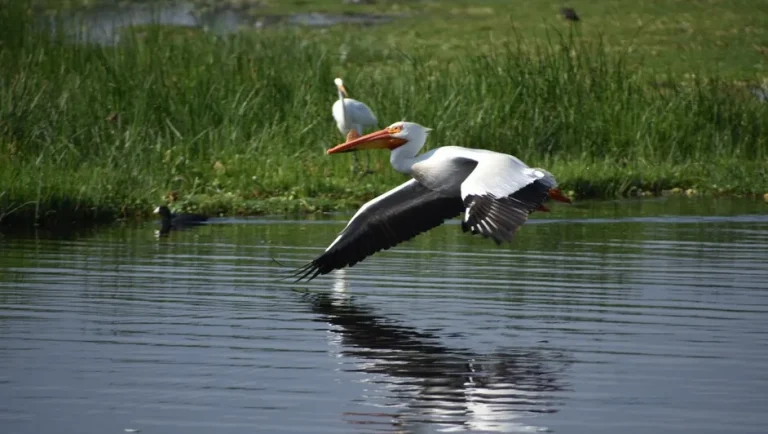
(727, 37)
(239, 124)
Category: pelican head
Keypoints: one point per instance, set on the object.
(340, 86)
(392, 137)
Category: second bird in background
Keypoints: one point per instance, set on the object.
(352, 116)
(177, 221)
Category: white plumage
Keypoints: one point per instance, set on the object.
(352, 116)
(495, 191)
(358, 116)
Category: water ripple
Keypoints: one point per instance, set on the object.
(633, 324)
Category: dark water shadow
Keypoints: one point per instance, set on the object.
(435, 384)
(61, 232)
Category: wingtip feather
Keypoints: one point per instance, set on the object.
(303, 271)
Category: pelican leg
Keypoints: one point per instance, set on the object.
(356, 166)
(368, 163)
(352, 135)
(367, 170)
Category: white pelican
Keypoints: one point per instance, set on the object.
(352, 116)
(495, 191)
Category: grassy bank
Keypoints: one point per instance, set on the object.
(724, 37)
(238, 124)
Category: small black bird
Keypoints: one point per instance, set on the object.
(569, 14)
(177, 221)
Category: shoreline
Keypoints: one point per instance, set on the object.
(239, 124)
(77, 219)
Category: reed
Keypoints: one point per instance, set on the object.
(239, 124)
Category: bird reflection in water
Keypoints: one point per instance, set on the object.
(449, 389)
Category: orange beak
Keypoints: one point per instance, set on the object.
(382, 139)
(343, 90)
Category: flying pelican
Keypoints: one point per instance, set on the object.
(495, 191)
(352, 116)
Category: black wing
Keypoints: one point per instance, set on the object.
(396, 216)
(501, 217)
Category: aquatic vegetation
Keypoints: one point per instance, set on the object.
(239, 124)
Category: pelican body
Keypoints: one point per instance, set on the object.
(351, 115)
(495, 191)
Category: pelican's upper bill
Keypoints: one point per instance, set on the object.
(388, 138)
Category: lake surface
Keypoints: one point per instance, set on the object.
(613, 317)
(103, 21)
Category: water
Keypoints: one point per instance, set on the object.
(615, 317)
(103, 22)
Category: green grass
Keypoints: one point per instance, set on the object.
(724, 37)
(239, 124)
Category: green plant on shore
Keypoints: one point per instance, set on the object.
(239, 124)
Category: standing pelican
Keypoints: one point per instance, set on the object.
(352, 116)
(495, 191)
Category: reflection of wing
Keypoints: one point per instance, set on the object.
(394, 217)
(500, 193)
(433, 384)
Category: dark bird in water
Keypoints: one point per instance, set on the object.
(177, 221)
(569, 14)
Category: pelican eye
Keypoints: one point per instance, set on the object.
(395, 129)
